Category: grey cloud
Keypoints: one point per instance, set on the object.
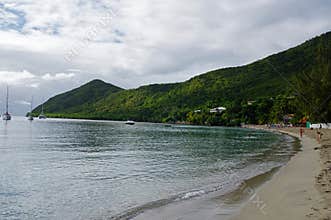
(153, 41)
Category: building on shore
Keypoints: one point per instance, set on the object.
(217, 110)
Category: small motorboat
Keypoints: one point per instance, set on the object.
(30, 117)
(130, 122)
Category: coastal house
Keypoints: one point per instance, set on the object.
(217, 110)
(321, 125)
(250, 102)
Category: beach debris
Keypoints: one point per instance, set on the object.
(310, 215)
(315, 209)
(325, 146)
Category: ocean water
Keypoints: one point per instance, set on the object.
(77, 169)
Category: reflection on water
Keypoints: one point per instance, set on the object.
(74, 169)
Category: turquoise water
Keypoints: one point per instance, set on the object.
(76, 169)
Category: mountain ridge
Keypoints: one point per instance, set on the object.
(265, 78)
(75, 98)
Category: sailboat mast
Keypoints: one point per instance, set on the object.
(7, 100)
(31, 105)
(6, 116)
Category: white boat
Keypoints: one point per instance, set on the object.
(130, 122)
(42, 115)
(6, 116)
(30, 117)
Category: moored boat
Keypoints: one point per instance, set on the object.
(42, 115)
(6, 116)
(129, 122)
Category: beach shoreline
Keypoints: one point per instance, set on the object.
(298, 190)
(214, 206)
(211, 206)
(301, 189)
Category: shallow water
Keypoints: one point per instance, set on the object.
(76, 169)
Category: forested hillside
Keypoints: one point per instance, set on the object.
(79, 98)
(290, 82)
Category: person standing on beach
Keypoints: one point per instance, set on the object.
(319, 135)
(302, 131)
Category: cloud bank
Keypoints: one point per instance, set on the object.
(56, 45)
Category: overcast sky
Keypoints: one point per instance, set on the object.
(50, 46)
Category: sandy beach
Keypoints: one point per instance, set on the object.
(301, 189)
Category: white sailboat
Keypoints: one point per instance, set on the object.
(6, 116)
(30, 117)
(42, 115)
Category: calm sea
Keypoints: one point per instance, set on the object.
(76, 169)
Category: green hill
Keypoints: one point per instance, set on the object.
(80, 98)
(272, 84)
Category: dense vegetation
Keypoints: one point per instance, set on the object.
(296, 81)
(80, 98)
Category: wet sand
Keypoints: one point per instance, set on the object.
(301, 189)
(211, 206)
